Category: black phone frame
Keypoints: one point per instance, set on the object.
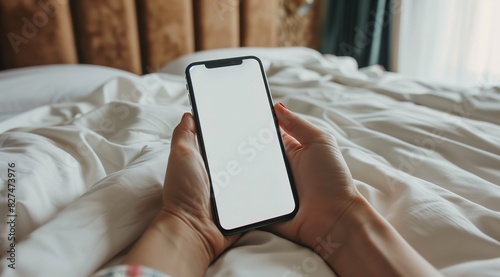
(199, 134)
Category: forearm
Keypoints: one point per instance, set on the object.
(169, 246)
(365, 244)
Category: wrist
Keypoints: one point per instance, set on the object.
(353, 219)
(170, 245)
(363, 237)
(183, 236)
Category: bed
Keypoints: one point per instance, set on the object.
(90, 156)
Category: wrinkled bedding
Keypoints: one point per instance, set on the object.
(89, 172)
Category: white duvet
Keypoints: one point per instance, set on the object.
(89, 173)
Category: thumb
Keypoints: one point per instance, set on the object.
(302, 130)
(185, 132)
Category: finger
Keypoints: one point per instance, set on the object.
(233, 238)
(303, 131)
(185, 131)
(283, 229)
(290, 142)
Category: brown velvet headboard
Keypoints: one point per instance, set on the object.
(134, 35)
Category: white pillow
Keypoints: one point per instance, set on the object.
(267, 55)
(23, 89)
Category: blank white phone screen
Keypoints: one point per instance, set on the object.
(246, 164)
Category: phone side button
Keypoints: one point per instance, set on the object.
(189, 99)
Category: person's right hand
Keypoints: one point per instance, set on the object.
(333, 217)
(323, 180)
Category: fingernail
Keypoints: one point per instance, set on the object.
(283, 120)
(183, 116)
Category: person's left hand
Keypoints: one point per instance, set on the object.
(182, 240)
(186, 192)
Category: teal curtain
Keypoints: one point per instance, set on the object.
(360, 29)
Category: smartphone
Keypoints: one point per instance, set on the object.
(240, 141)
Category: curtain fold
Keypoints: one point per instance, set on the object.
(360, 29)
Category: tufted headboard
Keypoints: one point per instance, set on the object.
(137, 35)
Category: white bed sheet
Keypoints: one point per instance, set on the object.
(427, 156)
